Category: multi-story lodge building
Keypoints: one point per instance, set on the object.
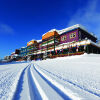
(73, 40)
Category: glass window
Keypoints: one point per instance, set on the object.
(63, 38)
(73, 35)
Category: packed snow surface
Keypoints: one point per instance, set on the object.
(9, 77)
(81, 74)
(64, 78)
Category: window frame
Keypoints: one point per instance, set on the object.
(72, 35)
(64, 37)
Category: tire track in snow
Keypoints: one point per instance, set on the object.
(33, 89)
(18, 90)
(96, 94)
(34, 93)
(61, 91)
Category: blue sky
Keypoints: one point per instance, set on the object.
(24, 20)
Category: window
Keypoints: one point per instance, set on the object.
(39, 46)
(73, 35)
(63, 38)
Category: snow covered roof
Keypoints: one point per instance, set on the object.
(74, 27)
(52, 30)
(50, 34)
(98, 45)
(32, 40)
(71, 28)
(12, 53)
(22, 47)
(39, 40)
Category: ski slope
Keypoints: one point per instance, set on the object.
(64, 78)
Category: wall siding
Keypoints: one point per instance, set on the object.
(68, 37)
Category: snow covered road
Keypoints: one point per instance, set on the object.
(68, 78)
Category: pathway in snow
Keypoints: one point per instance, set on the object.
(33, 85)
(49, 91)
(22, 90)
